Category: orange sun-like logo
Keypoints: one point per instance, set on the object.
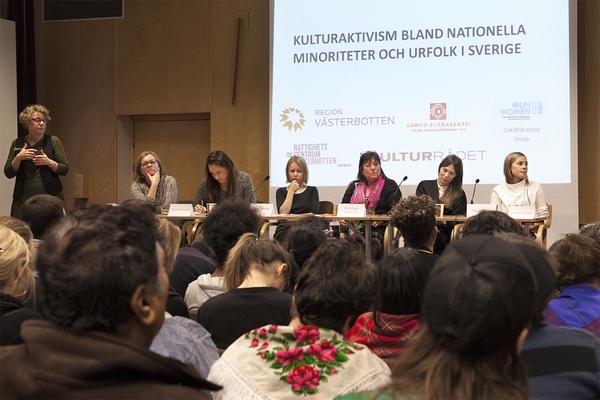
(292, 118)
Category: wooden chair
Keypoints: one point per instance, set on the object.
(456, 232)
(542, 231)
(391, 230)
(326, 207)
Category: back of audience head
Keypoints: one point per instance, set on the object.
(22, 229)
(40, 211)
(578, 260)
(97, 266)
(401, 277)
(491, 222)
(591, 230)
(544, 268)
(302, 242)
(169, 237)
(225, 224)
(16, 275)
(264, 255)
(415, 218)
(334, 287)
(477, 303)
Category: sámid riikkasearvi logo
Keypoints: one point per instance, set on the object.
(292, 118)
(437, 111)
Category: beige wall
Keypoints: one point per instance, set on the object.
(174, 56)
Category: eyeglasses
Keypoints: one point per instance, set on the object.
(149, 163)
(39, 120)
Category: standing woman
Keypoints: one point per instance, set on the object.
(36, 159)
(446, 189)
(518, 190)
(152, 184)
(222, 181)
(378, 192)
(297, 197)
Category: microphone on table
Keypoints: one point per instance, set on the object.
(474, 187)
(398, 188)
(259, 185)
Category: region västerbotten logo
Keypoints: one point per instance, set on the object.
(292, 118)
(437, 111)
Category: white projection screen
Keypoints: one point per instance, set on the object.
(418, 80)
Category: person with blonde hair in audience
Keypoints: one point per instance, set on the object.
(578, 303)
(256, 273)
(169, 237)
(16, 279)
(309, 358)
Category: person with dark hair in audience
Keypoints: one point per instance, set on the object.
(447, 190)
(393, 322)
(561, 362)
(16, 280)
(199, 268)
(591, 230)
(490, 222)
(105, 289)
(376, 191)
(223, 181)
(302, 242)
(578, 303)
(40, 211)
(310, 357)
(477, 303)
(415, 219)
(256, 272)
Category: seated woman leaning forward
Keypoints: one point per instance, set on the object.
(297, 197)
(447, 190)
(222, 181)
(152, 184)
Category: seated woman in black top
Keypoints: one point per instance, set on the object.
(255, 274)
(297, 197)
(376, 191)
(447, 190)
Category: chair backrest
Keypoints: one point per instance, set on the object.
(325, 207)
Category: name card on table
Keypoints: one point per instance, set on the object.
(474, 209)
(351, 210)
(181, 210)
(522, 212)
(265, 210)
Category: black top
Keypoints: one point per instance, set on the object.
(190, 263)
(390, 195)
(176, 305)
(12, 315)
(430, 188)
(231, 314)
(305, 202)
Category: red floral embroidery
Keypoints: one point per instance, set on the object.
(254, 342)
(308, 334)
(304, 376)
(325, 351)
(285, 357)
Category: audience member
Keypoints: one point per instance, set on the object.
(199, 276)
(398, 294)
(255, 274)
(578, 303)
(169, 237)
(105, 291)
(591, 230)
(415, 219)
(16, 277)
(477, 303)
(561, 362)
(302, 242)
(40, 211)
(489, 223)
(310, 356)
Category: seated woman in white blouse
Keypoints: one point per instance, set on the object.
(518, 190)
